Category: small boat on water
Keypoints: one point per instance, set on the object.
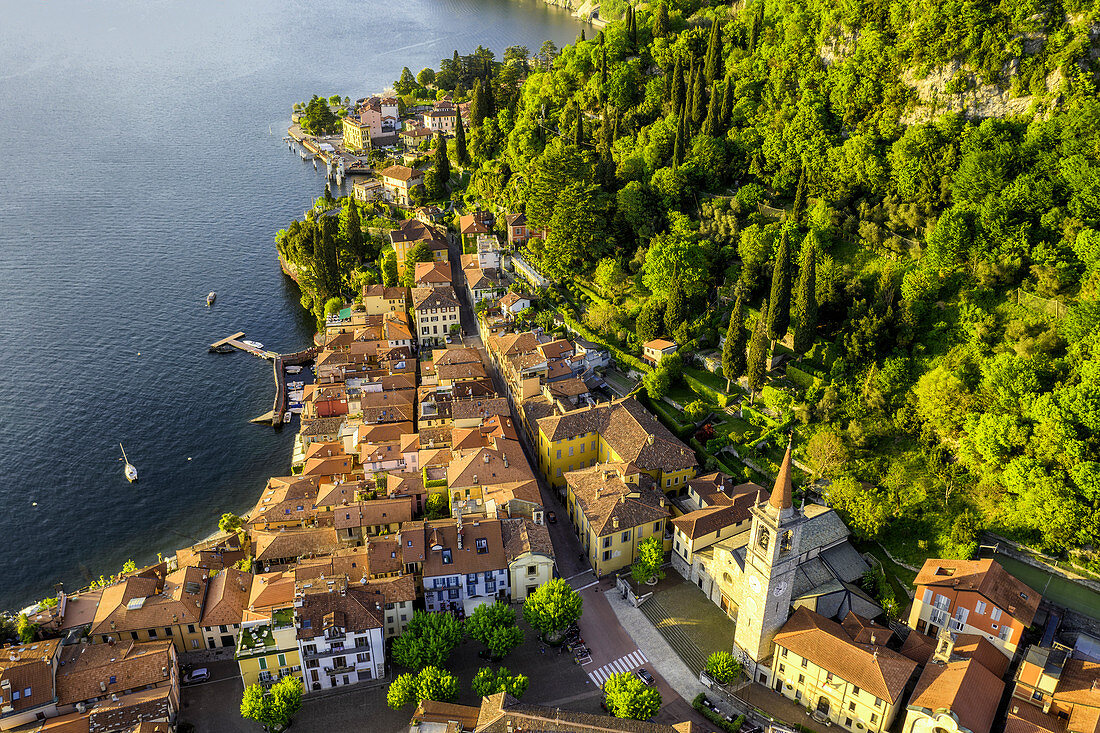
(210, 298)
(253, 344)
(293, 369)
(287, 415)
(129, 470)
(223, 349)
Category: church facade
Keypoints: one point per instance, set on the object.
(758, 557)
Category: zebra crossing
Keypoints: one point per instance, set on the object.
(626, 663)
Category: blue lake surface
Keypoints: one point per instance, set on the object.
(143, 166)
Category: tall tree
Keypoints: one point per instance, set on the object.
(353, 229)
(733, 350)
(441, 164)
(676, 92)
(675, 308)
(477, 114)
(660, 20)
(757, 24)
(633, 29)
(603, 67)
(713, 124)
(756, 368)
(713, 63)
(804, 318)
(462, 155)
(698, 100)
(779, 305)
(679, 145)
(799, 197)
(727, 101)
(552, 607)
(629, 697)
(428, 639)
(578, 129)
(582, 35)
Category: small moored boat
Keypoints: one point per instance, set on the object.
(130, 471)
(210, 298)
(253, 344)
(293, 369)
(287, 415)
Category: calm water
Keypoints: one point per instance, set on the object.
(143, 167)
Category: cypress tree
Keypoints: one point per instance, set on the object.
(756, 368)
(676, 93)
(488, 103)
(633, 29)
(578, 129)
(476, 113)
(440, 162)
(733, 351)
(727, 101)
(353, 229)
(804, 318)
(462, 157)
(714, 113)
(660, 20)
(675, 308)
(713, 62)
(603, 68)
(582, 35)
(779, 307)
(757, 24)
(799, 197)
(699, 101)
(678, 143)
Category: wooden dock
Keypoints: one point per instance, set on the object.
(236, 343)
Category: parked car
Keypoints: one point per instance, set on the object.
(646, 677)
(202, 674)
(551, 517)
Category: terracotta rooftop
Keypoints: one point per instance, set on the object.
(89, 671)
(616, 496)
(442, 535)
(502, 713)
(522, 536)
(227, 598)
(28, 666)
(964, 687)
(148, 602)
(987, 578)
(881, 671)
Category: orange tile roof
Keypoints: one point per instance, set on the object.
(987, 578)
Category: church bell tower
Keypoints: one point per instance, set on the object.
(771, 559)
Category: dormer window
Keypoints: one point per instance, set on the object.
(482, 545)
(447, 560)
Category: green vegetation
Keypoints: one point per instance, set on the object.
(651, 555)
(275, 710)
(723, 667)
(317, 117)
(489, 682)
(230, 523)
(428, 640)
(717, 719)
(629, 697)
(430, 683)
(26, 630)
(552, 607)
(494, 625)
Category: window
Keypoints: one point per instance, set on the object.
(979, 608)
(471, 578)
(855, 690)
(194, 643)
(668, 482)
(582, 448)
(1037, 695)
(453, 593)
(307, 623)
(152, 633)
(559, 452)
(191, 628)
(168, 631)
(282, 660)
(1004, 632)
(852, 707)
(607, 542)
(447, 560)
(782, 669)
(133, 635)
(263, 662)
(482, 546)
(570, 450)
(802, 677)
(15, 695)
(782, 653)
(995, 614)
(927, 595)
(626, 536)
(804, 662)
(27, 692)
(878, 704)
(532, 570)
(607, 555)
(224, 629)
(362, 657)
(656, 527)
(874, 718)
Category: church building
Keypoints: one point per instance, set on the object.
(759, 558)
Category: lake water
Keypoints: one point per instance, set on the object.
(143, 167)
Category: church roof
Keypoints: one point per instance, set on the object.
(781, 494)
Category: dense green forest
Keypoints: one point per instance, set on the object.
(785, 168)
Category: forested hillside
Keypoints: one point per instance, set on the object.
(950, 268)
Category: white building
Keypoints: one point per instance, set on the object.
(465, 564)
(340, 633)
(436, 309)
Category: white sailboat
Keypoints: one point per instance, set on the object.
(129, 470)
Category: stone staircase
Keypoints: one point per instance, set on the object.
(677, 639)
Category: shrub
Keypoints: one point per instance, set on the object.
(723, 667)
(715, 718)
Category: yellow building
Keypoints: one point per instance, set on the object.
(152, 606)
(267, 649)
(356, 134)
(530, 555)
(844, 673)
(618, 432)
(614, 508)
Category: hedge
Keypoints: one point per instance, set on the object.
(803, 379)
(672, 422)
(715, 718)
(705, 390)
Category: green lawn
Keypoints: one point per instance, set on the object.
(683, 394)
